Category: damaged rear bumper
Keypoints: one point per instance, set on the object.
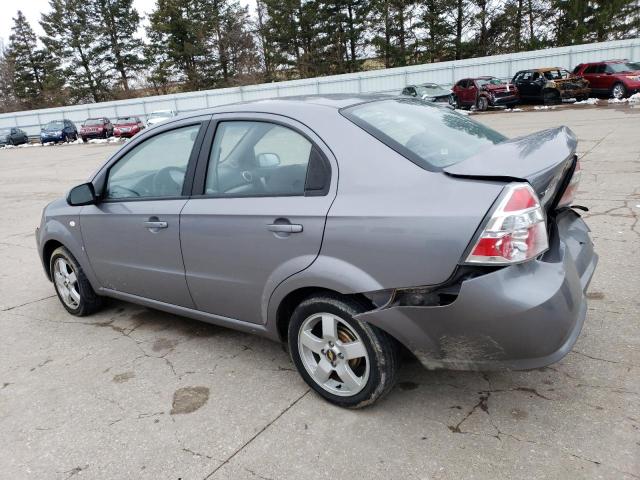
(519, 317)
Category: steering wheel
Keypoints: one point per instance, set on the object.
(168, 181)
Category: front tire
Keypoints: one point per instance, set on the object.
(348, 362)
(72, 287)
(482, 104)
(619, 91)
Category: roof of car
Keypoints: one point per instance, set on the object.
(335, 101)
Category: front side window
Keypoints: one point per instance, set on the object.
(154, 168)
(251, 158)
(430, 136)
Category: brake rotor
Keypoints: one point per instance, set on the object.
(347, 336)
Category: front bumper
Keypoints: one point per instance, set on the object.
(93, 134)
(506, 100)
(124, 134)
(519, 317)
(45, 138)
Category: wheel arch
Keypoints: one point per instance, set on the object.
(294, 298)
(47, 251)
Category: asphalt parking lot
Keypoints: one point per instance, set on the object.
(132, 393)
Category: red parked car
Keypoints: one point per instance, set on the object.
(484, 92)
(96, 128)
(615, 78)
(127, 127)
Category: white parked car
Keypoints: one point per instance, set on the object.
(160, 116)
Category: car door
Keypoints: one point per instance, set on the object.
(132, 236)
(593, 73)
(522, 81)
(459, 90)
(257, 214)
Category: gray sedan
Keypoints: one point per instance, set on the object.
(351, 228)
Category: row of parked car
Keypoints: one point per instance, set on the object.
(64, 130)
(614, 78)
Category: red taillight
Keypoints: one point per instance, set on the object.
(521, 199)
(569, 194)
(516, 230)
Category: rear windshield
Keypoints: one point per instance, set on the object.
(94, 121)
(432, 137)
(127, 120)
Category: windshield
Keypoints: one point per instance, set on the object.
(489, 81)
(56, 125)
(620, 67)
(432, 137)
(127, 120)
(94, 121)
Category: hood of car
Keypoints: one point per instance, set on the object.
(497, 88)
(540, 158)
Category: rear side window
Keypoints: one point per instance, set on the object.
(252, 158)
(430, 136)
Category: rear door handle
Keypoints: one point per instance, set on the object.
(158, 224)
(284, 228)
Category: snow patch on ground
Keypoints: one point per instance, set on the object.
(588, 101)
(544, 107)
(635, 98)
(513, 110)
(463, 112)
(24, 145)
(105, 140)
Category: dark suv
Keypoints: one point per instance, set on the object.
(550, 85)
(96, 128)
(615, 78)
(58, 131)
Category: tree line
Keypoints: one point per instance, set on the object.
(97, 50)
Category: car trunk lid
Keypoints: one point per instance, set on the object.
(542, 159)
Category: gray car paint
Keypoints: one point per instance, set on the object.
(391, 225)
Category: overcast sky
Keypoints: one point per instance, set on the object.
(34, 8)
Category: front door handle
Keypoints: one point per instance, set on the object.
(156, 224)
(284, 228)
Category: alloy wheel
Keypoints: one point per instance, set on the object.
(618, 91)
(333, 354)
(66, 281)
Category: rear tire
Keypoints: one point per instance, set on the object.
(72, 287)
(84, 139)
(348, 362)
(550, 97)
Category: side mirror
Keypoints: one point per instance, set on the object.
(268, 160)
(82, 195)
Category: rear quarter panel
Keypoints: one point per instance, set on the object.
(392, 224)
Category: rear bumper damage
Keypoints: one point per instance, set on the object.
(518, 317)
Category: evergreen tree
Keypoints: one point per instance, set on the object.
(36, 77)
(8, 101)
(118, 23)
(70, 37)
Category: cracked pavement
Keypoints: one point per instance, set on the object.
(135, 393)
